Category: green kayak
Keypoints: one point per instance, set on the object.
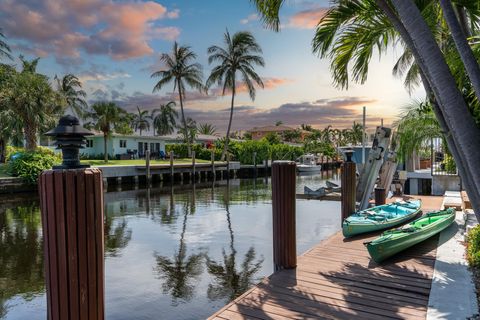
(393, 241)
(381, 217)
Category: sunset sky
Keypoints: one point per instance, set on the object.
(113, 47)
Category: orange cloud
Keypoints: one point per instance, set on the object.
(307, 19)
(268, 84)
(121, 30)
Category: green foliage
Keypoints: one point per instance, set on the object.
(272, 138)
(473, 247)
(243, 151)
(285, 152)
(180, 150)
(29, 164)
(449, 164)
(315, 146)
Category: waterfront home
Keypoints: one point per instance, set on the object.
(260, 132)
(131, 146)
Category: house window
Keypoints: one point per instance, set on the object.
(89, 143)
(123, 143)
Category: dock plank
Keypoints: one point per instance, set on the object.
(336, 279)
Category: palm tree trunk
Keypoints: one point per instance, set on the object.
(463, 129)
(3, 146)
(105, 154)
(227, 137)
(462, 18)
(398, 25)
(463, 48)
(189, 148)
(30, 137)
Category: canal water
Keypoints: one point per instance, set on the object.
(178, 252)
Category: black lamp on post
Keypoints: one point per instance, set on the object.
(349, 153)
(70, 137)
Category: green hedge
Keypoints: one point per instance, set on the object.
(29, 164)
(180, 150)
(473, 247)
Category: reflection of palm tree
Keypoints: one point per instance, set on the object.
(116, 237)
(21, 255)
(179, 274)
(230, 282)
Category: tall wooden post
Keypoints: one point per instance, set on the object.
(380, 196)
(284, 175)
(147, 163)
(71, 202)
(172, 177)
(193, 167)
(212, 158)
(348, 173)
(228, 166)
(255, 164)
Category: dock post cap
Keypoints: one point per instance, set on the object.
(284, 162)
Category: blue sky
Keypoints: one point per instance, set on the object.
(113, 47)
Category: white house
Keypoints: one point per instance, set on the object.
(131, 145)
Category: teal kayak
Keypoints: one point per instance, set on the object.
(381, 217)
(393, 241)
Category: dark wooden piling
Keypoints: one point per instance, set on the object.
(147, 164)
(255, 164)
(348, 173)
(194, 173)
(171, 167)
(380, 196)
(71, 203)
(212, 158)
(284, 175)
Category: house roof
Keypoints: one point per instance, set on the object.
(271, 129)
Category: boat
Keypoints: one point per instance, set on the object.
(380, 217)
(308, 163)
(393, 241)
(315, 193)
(331, 184)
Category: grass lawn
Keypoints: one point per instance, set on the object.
(3, 174)
(137, 162)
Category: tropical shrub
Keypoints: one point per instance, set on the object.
(285, 152)
(473, 247)
(180, 150)
(243, 151)
(29, 164)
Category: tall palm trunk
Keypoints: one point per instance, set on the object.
(463, 48)
(180, 96)
(463, 129)
(2, 150)
(227, 137)
(397, 24)
(105, 154)
(30, 137)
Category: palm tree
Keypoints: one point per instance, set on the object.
(181, 71)
(165, 118)
(4, 47)
(30, 97)
(239, 55)
(207, 129)
(140, 120)
(107, 117)
(189, 133)
(405, 17)
(10, 130)
(70, 88)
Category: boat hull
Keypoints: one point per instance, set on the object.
(393, 242)
(305, 168)
(358, 223)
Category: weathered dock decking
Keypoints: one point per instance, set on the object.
(337, 280)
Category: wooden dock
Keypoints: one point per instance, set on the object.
(337, 280)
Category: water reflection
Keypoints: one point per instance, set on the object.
(21, 254)
(228, 282)
(171, 252)
(179, 273)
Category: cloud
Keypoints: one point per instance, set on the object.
(101, 76)
(250, 18)
(307, 19)
(121, 30)
(269, 83)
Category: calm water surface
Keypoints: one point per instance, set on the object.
(171, 253)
